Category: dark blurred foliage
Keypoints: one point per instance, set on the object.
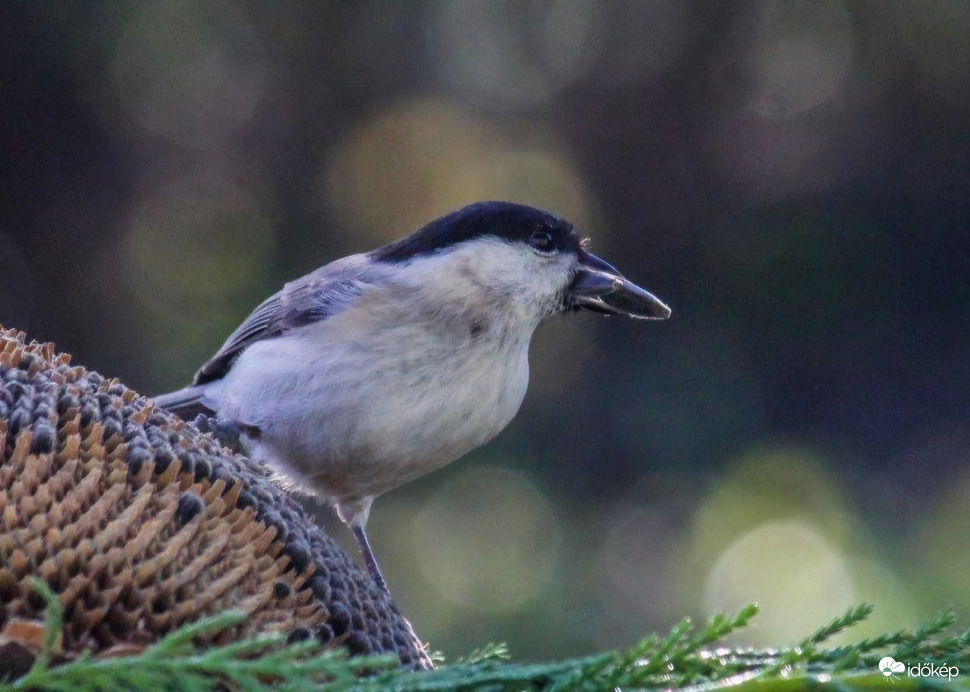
(793, 178)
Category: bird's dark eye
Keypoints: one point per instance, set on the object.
(543, 242)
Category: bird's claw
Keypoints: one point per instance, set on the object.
(225, 431)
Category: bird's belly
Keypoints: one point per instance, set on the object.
(361, 431)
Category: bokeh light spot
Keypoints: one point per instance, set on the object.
(635, 562)
(488, 540)
(192, 72)
(518, 55)
(794, 572)
(788, 90)
(801, 56)
(420, 159)
(193, 255)
(767, 483)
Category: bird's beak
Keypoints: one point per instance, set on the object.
(600, 287)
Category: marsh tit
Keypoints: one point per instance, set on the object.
(380, 367)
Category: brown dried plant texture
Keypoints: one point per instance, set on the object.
(140, 523)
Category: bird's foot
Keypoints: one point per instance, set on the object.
(226, 432)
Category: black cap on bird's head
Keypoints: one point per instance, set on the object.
(597, 285)
(504, 220)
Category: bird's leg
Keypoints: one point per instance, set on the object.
(369, 559)
(354, 514)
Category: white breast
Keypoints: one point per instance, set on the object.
(358, 417)
(428, 361)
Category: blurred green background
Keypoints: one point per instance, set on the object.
(791, 177)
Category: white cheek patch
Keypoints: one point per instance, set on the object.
(493, 267)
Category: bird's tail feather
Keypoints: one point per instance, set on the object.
(184, 403)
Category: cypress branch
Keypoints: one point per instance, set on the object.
(683, 658)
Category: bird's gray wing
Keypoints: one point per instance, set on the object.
(311, 298)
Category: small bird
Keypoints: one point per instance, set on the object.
(379, 367)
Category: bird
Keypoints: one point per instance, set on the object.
(380, 367)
